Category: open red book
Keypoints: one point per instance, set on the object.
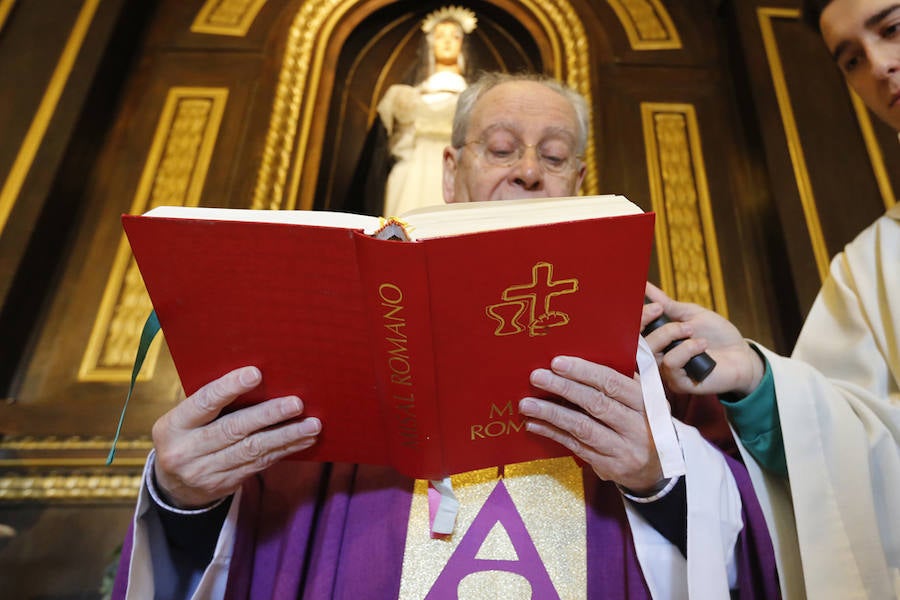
(413, 353)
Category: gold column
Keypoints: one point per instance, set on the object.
(686, 245)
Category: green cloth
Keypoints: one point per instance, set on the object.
(755, 419)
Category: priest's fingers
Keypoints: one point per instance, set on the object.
(189, 429)
(204, 405)
(260, 451)
(620, 433)
(188, 479)
(608, 382)
(569, 427)
(233, 428)
(632, 463)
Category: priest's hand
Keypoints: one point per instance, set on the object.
(610, 433)
(739, 369)
(201, 457)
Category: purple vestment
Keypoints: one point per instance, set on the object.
(313, 531)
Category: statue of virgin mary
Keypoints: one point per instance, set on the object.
(418, 119)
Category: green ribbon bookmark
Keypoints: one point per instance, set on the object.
(151, 328)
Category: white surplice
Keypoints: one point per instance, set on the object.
(839, 405)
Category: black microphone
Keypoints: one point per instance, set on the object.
(699, 366)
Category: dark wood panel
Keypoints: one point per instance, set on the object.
(26, 67)
(835, 153)
(729, 167)
(51, 376)
(59, 551)
(46, 204)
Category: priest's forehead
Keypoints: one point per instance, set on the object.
(529, 108)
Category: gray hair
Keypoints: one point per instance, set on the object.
(487, 81)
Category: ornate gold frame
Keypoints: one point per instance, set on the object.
(285, 155)
(69, 469)
(647, 24)
(680, 195)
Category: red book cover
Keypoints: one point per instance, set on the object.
(413, 354)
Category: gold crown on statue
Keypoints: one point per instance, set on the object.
(463, 16)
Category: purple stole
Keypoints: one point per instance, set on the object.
(348, 543)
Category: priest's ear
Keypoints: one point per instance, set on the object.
(448, 179)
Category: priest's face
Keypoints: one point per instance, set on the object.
(521, 143)
(863, 36)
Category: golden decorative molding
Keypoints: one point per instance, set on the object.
(647, 24)
(71, 468)
(71, 452)
(287, 139)
(686, 244)
(74, 443)
(57, 487)
(9, 193)
(174, 174)
(874, 150)
(795, 149)
(569, 38)
(5, 8)
(227, 17)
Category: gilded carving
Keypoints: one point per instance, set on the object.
(647, 24)
(69, 468)
(281, 167)
(227, 17)
(685, 238)
(174, 174)
(69, 443)
(69, 487)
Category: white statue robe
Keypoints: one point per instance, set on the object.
(418, 122)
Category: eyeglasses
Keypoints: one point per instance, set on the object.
(500, 147)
